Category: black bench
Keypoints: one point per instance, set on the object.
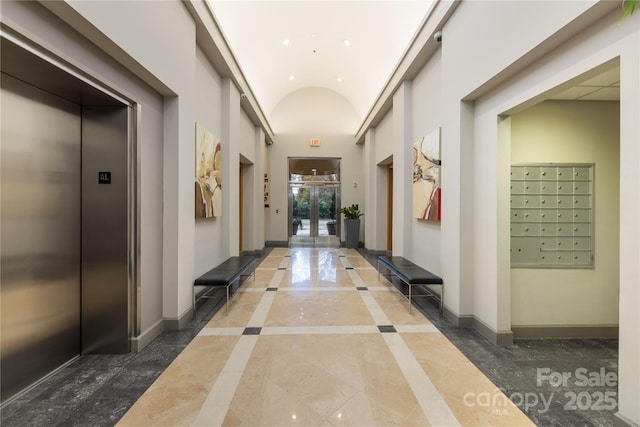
(224, 275)
(412, 275)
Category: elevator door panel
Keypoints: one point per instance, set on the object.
(40, 243)
(105, 299)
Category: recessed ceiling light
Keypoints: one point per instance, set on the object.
(339, 79)
(292, 77)
(315, 35)
(346, 42)
(286, 42)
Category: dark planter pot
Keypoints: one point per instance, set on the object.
(331, 229)
(295, 229)
(352, 232)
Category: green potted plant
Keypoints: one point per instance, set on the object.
(352, 216)
(296, 223)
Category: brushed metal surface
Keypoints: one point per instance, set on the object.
(105, 276)
(51, 312)
(40, 239)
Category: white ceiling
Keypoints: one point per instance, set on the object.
(605, 87)
(378, 33)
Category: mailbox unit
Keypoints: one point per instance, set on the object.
(552, 215)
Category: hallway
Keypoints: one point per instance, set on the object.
(316, 339)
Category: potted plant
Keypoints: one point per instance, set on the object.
(352, 216)
(296, 223)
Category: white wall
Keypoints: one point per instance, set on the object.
(208, 231)
(384, 138)
(599, 44)
(482, 80)
(426, 117)
(306, 114)
(573, 132)
(382, 155)
(248, 155)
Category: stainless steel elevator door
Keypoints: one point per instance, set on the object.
(40, 237)
(105, 291)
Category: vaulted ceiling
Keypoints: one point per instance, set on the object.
(349, 47)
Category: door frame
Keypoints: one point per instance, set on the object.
(314, 191)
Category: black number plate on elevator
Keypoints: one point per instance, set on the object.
(104, 177)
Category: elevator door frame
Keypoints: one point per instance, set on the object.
(36, 67)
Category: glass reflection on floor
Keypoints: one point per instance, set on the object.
(305, 262)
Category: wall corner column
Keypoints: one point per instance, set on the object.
(402, 170)
(230, 167)
(371, 225)
(258, 216)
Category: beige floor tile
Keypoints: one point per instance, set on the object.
(456, 377)
(417, 418)
(319, 379)
(315, 278)
(269, 405)
(358, 262)
(271, 262)
(241, 308)
(370, 278)
(264, 276)
(318, 308)
(176, 397)
(275, 252)
(328, 375)
(338, 278)
(349, 252)
(396, 307)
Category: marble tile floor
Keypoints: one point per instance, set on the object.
(303, 346)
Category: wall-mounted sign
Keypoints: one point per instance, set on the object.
(104, 177)
(315, 143)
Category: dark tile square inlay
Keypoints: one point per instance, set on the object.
(362, 288)
(287, 256)
(271, 289)
(341, 256)
(348, 268)
(386, 328)
(282, 268)
(252, 331)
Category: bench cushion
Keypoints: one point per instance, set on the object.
(410, 272)
(225, 272)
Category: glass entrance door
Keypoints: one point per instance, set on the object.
(314, 197)
(314, 213)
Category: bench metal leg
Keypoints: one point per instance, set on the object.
(410, 287)
(226, 305)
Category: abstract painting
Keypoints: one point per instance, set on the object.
(208, 184)
(426, 177)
